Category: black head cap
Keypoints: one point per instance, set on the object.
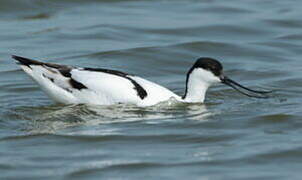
(209, 64)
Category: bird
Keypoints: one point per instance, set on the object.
(97, 86)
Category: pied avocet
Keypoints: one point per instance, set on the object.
(73, 85)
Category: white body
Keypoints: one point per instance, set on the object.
(103, 88)
(107, 89)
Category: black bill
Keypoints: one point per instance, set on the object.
(236, 86)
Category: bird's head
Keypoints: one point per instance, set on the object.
(209, 71)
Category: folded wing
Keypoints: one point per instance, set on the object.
(71, 85)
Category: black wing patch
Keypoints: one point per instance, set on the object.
(64, 70)
(141, 92)
(77, 85)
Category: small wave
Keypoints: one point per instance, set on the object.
(50, 119)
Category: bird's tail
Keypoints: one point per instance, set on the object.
(25, 61)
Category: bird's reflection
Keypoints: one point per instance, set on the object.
(50, 119)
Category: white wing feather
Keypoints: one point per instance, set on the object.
(105, 88)
(54, 91)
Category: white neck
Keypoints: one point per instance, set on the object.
(198, 82)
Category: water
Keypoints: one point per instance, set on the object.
(229, 137)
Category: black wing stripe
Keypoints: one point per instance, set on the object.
(65, 72)
(77, 85)
(141, 92)
(28, 62)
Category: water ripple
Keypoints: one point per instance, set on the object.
(229, 137)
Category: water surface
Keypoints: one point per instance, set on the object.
(229, 137)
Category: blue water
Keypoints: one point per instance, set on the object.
(231, 136)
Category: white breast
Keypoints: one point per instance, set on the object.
(156, 93)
